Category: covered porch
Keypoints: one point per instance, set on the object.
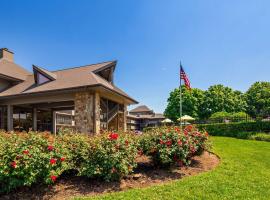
(84, 111)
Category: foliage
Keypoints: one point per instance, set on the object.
(29, 158)
(111, 156)
(234, 129)
(233, 117)
(243, 173)
(258, 99)
(260, 137)
(170, 145)
(202, 104)
(191, 101)
(220, 116)
(219, 98)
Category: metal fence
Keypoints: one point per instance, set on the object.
(229, 120)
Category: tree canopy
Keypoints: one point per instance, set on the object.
(191, 101)
(258, 99)
(202, 104)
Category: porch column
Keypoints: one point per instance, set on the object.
(125, 117)
(9, 117)
(54, 122)
(34, 119)
(97, 113)
(2, 118)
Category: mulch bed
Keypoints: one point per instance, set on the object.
(145, 175)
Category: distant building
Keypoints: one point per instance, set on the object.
(142, 117)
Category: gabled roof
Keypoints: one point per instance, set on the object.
(71, 78)
(12, 70)
(142, 108)
(44, 72)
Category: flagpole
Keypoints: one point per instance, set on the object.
(180, 107)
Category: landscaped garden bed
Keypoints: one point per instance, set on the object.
(145, 174)
(35, 160)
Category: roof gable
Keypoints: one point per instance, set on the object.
(42, 76)
(142, 108)
(66, 79)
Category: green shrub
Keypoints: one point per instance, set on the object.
(170, 145)
(111, 156)
(233, 129)
(220, 116)
(30, 158)
(260, 137)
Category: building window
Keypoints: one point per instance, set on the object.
(41, 79)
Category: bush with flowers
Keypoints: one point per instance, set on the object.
(111, 156)
(30, 158)
(171, 145)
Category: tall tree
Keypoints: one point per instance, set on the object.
(219, 98)
(258, 99)
(191, 101)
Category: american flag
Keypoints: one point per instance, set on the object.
(184, 77)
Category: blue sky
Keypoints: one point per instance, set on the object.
(225, 42)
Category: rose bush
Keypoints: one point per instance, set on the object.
(170, 145)
(111, 156)
(30, 158)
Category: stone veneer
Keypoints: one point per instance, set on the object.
(84, 112)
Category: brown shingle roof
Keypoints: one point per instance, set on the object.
(67, 79)
(141, 108)
(13, 70)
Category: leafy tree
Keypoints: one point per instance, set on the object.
(220, 116)
(258, 99)
(191, 101)
(219, 98)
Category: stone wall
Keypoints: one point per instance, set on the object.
(84, 112)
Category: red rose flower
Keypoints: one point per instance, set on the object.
(126, 142)
(114, 170)
(13, 164)
(140, 152)
(63, 159)
(113, 136)
(177, 129)
(180, 163)
(169, 143)
(179, 142)
(50, 148)
(26, 152)
(53, 178)
(189, 128)
(53, 161)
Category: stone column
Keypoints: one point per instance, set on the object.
(10, 118)
(97, 113)
(125, 117)
(84, 112)
(34, 119)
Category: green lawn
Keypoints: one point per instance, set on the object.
(244, 173)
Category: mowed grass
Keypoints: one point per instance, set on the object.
(244, 173)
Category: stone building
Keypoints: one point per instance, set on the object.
(142, 117)
(33, 100)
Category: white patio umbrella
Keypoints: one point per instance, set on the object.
(166, 121)
(186, 118)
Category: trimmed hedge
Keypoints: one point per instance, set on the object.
(238, 129)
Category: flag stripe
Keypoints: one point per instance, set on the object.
(184, 77)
